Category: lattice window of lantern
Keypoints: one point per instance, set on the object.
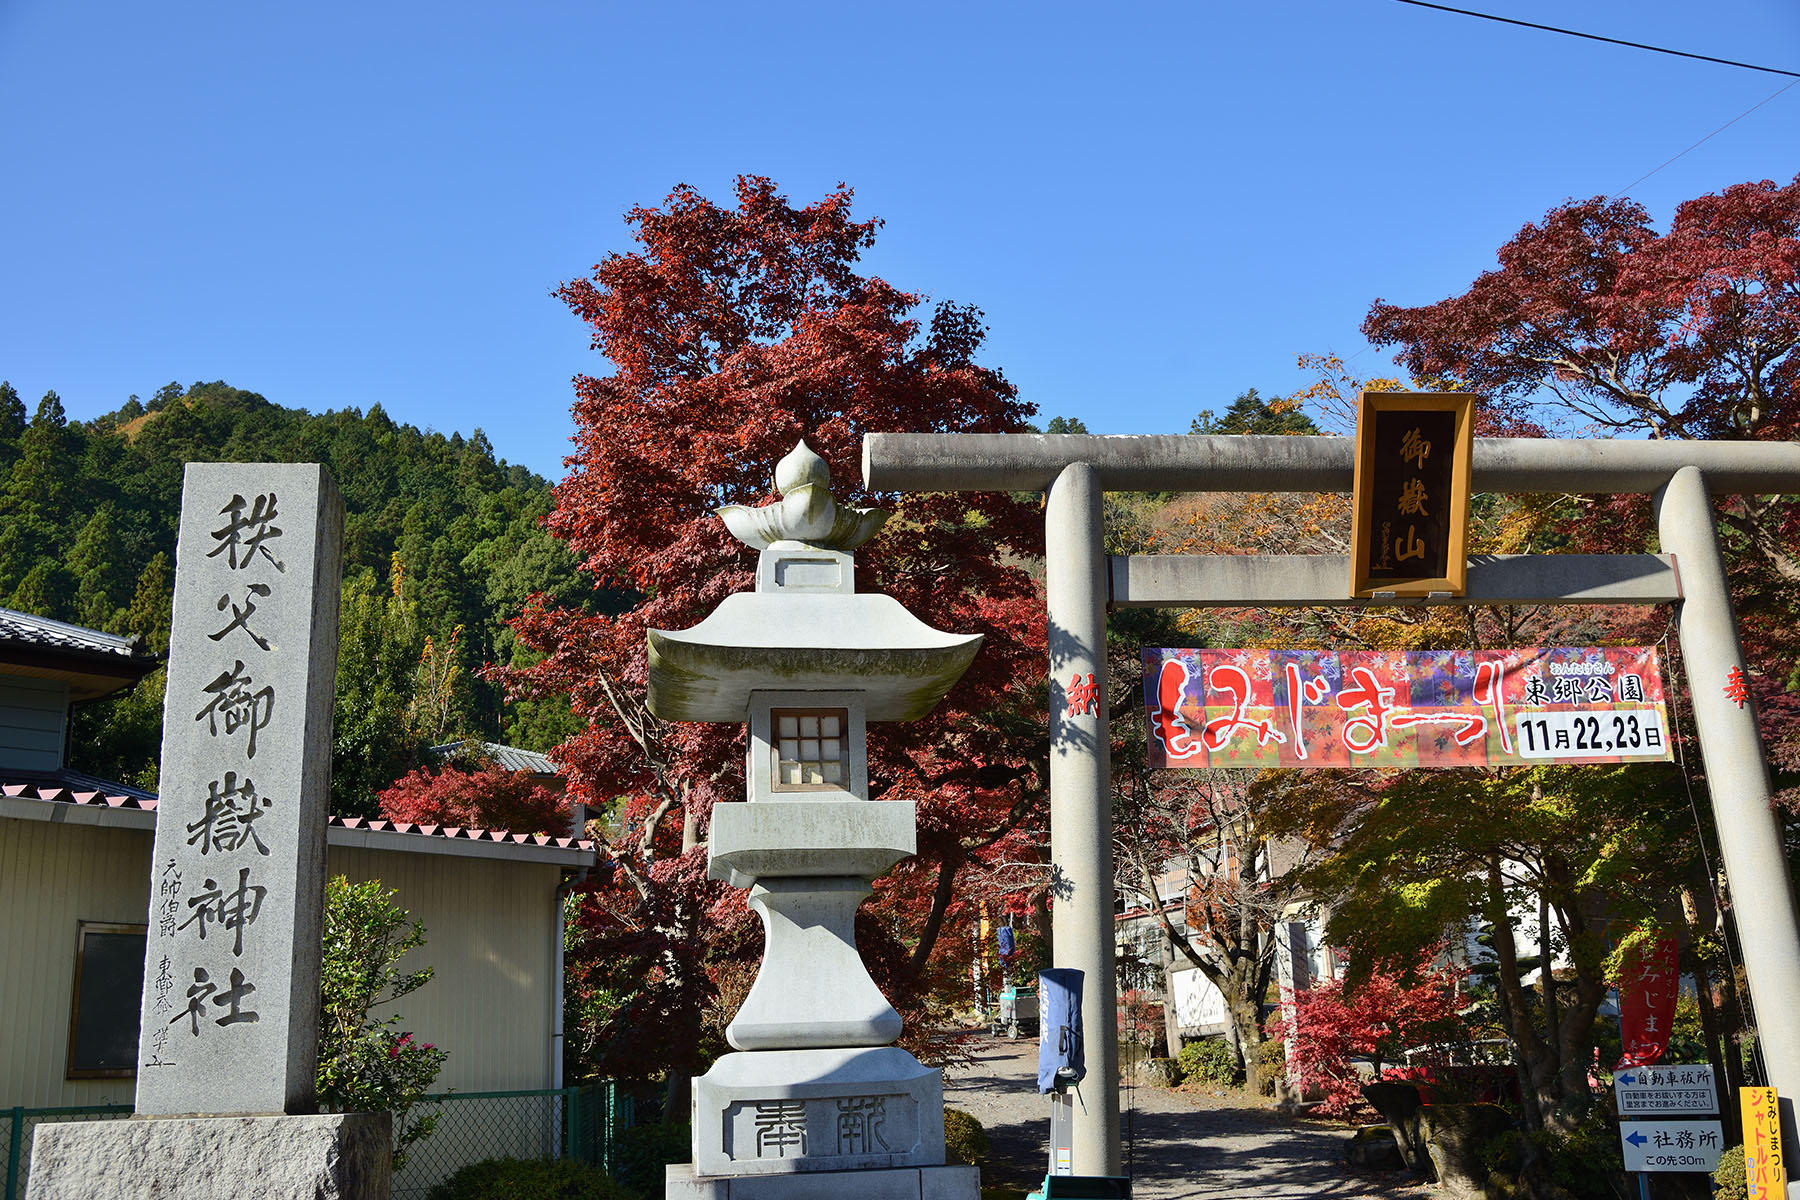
(810, 749)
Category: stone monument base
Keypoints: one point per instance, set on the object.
(337, 1156)
(897, 1183)
(784, 1112)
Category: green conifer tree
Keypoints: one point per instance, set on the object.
(12, 425)
(98, 582)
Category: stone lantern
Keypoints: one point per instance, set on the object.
(806, 662)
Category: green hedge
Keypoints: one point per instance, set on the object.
(1209, 1060)
(1728, 1178)
(964, 1139)
(644, 1150)
(529, 1179)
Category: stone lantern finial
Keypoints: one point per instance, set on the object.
(806, 513)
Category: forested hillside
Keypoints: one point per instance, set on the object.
(443, 543)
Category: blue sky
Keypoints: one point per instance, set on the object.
(1156, 205)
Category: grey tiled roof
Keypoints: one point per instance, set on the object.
(20, 628)
(72, 787)
(509, 757)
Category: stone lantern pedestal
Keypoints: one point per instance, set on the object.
(816, 1101)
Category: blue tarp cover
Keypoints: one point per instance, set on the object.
(1059, 1031)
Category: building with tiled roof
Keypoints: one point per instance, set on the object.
(75, 901)
(23, 633)
(48, 667)
(509, 757)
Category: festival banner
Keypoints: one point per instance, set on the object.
(1395, 709)
(1647, 994)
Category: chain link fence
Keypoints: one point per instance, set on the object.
(16, 1144)
(575, 1122)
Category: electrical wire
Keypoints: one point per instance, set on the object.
(1594, 37)
(1709, 137)
(1747, 1006)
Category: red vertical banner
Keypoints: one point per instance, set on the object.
(1647, 994)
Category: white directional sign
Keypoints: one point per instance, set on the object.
(1671, 1145)
(1673, 1089)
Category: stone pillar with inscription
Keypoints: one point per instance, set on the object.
(229, 1025)
(816, 1102)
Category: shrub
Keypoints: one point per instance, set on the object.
(964, 1139)
(1140, 1019)
(1585, 1161)
(1210, 1060)
(528, 1179)
(367, 1064)
(1728, 1180)
(1271, 1065)
(644, 1150)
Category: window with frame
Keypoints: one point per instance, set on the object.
(810, 749)
(109, 986)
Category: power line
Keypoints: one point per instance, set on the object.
(1594, 37)
(1709, 137)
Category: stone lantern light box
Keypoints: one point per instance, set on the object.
(806, 662)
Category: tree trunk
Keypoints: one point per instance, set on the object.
(1535, 1055)
(1533, 1118)
(941, 896)
(1246, 1022)
(1042, 925)
(1735, 1023)
(1715, 1053)
(1709, 1017)
(1547, 977)
(1171, 1019)
(678, 1092)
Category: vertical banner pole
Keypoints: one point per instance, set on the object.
(1737, 776)
(1081, 876)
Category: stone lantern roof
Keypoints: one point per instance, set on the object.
(804, 627)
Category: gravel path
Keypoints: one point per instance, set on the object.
(1179, 1144)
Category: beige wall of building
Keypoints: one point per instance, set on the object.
(489, 910)
(53, 876)
(488, 935)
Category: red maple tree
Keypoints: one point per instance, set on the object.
(477, 796)
(1592, 313)
(1389, 1017)
(1693, 333)
(732, 333)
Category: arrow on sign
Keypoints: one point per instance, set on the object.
(1626, 1079)
(1637, 1139)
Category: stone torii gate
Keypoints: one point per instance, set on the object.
(1082, 582)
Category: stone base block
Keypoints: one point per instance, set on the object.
(906, 1183)
(809, 838)
(345, 1156)
(778, 1112)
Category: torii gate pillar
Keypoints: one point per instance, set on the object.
(1737, 777)
(1081, 871)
